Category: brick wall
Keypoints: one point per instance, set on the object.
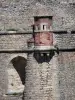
(14, 42)
(5, 59)
(41, 78)
(66, 67)
(19, 14)
(65, 40)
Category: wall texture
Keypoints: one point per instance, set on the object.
(66, 75)
(18, 42)
(5, 59)
(17, 15)
(12, 42)
(41, 78)
(65, 40)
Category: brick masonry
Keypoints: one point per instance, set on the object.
(62, 39)
(66, 61)
(41, 79)
(65, 40)
(5, 60)
(14, 42)
(18, 15)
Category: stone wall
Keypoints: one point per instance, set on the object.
(18, 42)
(5, 59)
(18, 15)
(66, 61)
(65, 40)
(14, 42)
(53, 80)
(41, 78)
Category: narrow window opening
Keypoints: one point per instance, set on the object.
(44, 27)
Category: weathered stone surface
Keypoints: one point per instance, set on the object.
(66, 75)
(65, 40)
(14, 83)
(5, 59)
(14, 42)
(17, 15)
(41, 79)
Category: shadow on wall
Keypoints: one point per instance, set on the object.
(19, 64)
(44, 56)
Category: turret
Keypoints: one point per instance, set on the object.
(41, 82)
(43, 35)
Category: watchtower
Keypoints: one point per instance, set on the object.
(40, 83)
